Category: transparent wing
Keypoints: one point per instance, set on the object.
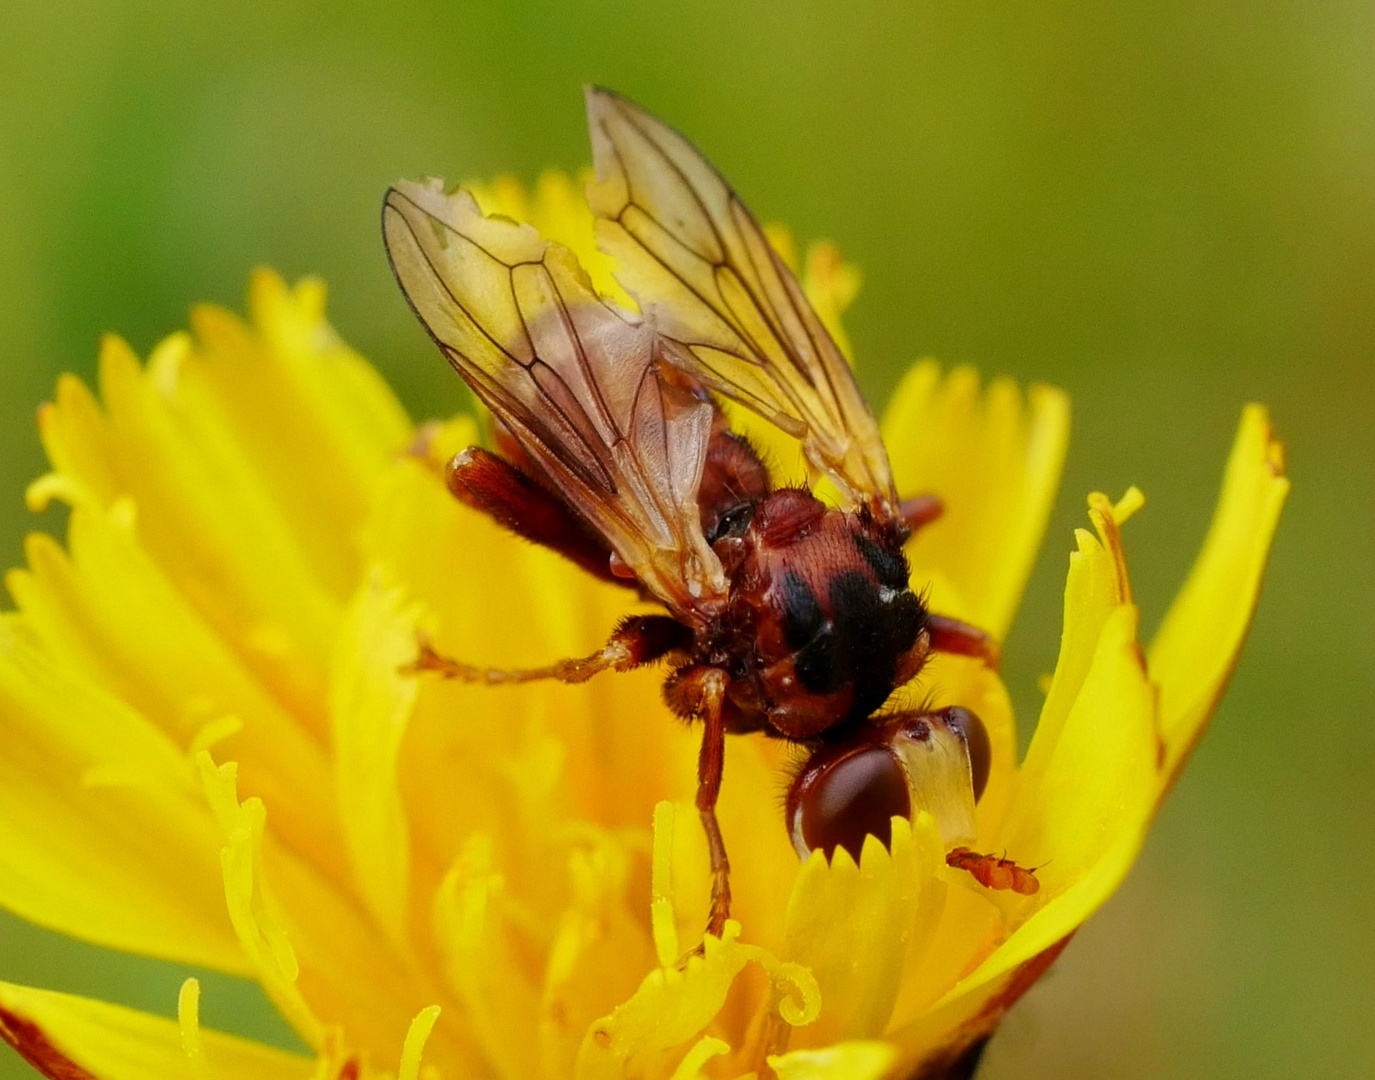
(574, 379)
(706, 277)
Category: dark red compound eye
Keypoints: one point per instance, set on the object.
(838, 801)
(971, 729)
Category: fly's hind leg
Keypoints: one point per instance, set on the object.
(700, 693)
(640, 639)
(516, 500)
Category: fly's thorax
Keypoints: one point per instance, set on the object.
(834, 623)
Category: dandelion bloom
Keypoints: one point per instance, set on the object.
(213, 756)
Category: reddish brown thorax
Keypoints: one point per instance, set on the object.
(822, 614)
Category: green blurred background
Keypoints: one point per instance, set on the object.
(1167, 208)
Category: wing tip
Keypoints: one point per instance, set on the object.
(595, 95)
(602, 101)
(391, 200)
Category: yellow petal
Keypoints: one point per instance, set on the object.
(844, 1061)
(370, 704)
(489, 600)
(101, 835)
(1101, 758)
(941, 1038)
(316, 424)
(253, 515)
(1095, 587)
(316, 954)
(661, 914)
(831, 284)
(107, 611)
(1099, 782)
(994, 457)
(600, 950)
(674, 1005)
(253, 909)
(851, 927)
(476, 943)
(204, 517)
(764, 865)
(706, 1048)
(416, 1037)
(1092, 774)
(1193, 654)
(61, 1035)
(1083, 798)
(676, 1001)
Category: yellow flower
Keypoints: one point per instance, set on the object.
(212, 756)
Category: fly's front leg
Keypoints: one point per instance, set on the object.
(640, 639)
(943, 633)
(919, 511)
(700, 693)
(710, 765)
(962, 639)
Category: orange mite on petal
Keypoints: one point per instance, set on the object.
(994, 873)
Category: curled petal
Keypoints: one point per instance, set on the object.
(675, 1004)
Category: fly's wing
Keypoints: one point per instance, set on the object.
(574, 379)
(704, 274)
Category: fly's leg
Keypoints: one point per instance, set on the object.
(516, 500)
(953, 636)
(700, 693)
(945, 634)
(640, 639)
(504, 486)
(710, 765)
(919, 511)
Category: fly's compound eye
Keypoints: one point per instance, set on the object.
(971, 729)
(840, 798)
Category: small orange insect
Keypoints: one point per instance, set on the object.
(782, 615)
(994, 873)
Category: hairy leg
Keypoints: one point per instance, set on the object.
(920, 511)
(640, 639)
(700, 693)
(953, 636)
(517, 501)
